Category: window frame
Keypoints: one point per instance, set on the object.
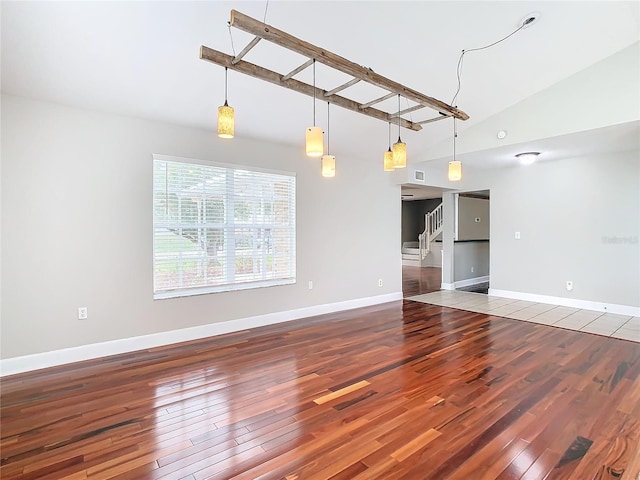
(159, 293)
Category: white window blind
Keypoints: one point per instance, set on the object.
(219, 227)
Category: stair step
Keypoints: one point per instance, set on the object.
(411, 263)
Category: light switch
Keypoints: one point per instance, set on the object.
(517, 235)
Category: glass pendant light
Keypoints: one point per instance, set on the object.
(226, 115)
(328, 161)
(388, 155)
(455, 171)
(328, 166)
(399, 148)
(313, 136)
(455, 167)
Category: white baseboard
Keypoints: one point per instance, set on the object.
(471, 281)
(568, 302)
(464, 283)
(26, 363)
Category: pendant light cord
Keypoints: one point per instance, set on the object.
(314, 92)
(462, 54)
(459, 74)
(398, 118)
(389, 135)
(328, 130)
(233, 48)
(226, 73)
(455, 135)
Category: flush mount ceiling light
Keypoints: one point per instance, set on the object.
(358, 73)
(527, 158)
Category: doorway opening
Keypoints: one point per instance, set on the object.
(471, 244)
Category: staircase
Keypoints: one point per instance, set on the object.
(411, 254)
(432, 228)
(425, 252)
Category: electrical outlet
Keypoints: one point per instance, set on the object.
(517, 235)
(83, 313)
(379, 282)
(569, 285)
(310, 285)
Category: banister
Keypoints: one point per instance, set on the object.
(432, 228)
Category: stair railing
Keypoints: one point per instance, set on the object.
(423, 245)
(432, 228)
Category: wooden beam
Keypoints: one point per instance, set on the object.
(342, 87)
(246, 49)
(296, 71)
(220, 58)
(272, 34)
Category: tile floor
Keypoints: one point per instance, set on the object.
(607, 324)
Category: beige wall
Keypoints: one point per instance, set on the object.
(566, 208)
(471, 260)
(468, 210)
(579, 220)
(566, 212)
(77, 228)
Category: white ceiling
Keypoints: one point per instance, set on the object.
(141, 59)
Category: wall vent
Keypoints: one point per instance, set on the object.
(418, 175)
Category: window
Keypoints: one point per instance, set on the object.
(221, 227)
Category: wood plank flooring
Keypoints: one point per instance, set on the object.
(400, 390)
(416, 280)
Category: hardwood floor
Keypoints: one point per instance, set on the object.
(401, 390)
(416, 280)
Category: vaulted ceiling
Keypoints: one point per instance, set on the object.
(141, 59)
